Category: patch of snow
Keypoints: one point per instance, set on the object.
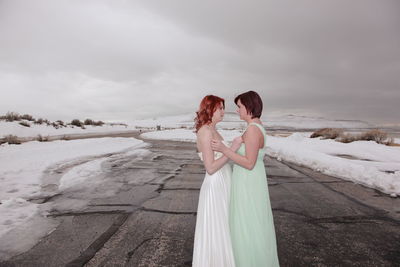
(186, 135)
(364, 162)
(14, 128)
(22, 168)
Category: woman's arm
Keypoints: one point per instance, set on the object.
(204, 137)
(252, 143)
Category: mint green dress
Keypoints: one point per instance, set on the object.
(251, 221)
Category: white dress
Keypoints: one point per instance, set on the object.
(212, 241)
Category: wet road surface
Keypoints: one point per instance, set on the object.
(150, 220)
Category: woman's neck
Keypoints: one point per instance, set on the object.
(256, 120)
(212, 125)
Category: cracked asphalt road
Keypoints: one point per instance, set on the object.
(319, 220)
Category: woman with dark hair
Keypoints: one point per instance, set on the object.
(250, 217)
(212, 242)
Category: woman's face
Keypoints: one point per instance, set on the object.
(241, 110)
(218, 114)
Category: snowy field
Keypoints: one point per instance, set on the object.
(14, 128)
(31, 171)
(34, 171)
(364, 162)
(186, 135)
(232, 121)
(289, 123)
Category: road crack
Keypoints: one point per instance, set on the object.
(169, 211)
(89, 253)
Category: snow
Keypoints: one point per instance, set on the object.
(80, 174)
(14, 128)
(364, 162)
(232, 121)
(308, 122)
(27, 170)
(174, 135)
(186, 120)
(24, 176)
(186, 135)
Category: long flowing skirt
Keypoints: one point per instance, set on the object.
(212, 242)
(251, 220)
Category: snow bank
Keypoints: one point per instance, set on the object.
(364, 162)
(187, 135)
(14, 128)
(22, 168)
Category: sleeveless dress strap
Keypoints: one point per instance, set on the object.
(262, 130)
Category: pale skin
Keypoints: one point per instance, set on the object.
(205, 135)
(253, 141)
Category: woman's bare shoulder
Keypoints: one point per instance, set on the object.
(204, 130)
(252, 130)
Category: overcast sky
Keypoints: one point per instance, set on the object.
(124, 60)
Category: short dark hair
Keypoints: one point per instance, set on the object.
(253, 103)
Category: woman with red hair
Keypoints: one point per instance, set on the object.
(250, 215)
(212, 242)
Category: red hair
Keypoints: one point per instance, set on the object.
(208, 106)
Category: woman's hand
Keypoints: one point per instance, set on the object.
(217, 145)
(237, 142)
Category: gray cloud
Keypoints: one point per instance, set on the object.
(126, 60)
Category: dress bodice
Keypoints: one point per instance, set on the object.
(261, 151)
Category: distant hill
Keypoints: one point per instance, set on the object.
(231, 120)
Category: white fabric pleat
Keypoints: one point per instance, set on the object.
(212, 242)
